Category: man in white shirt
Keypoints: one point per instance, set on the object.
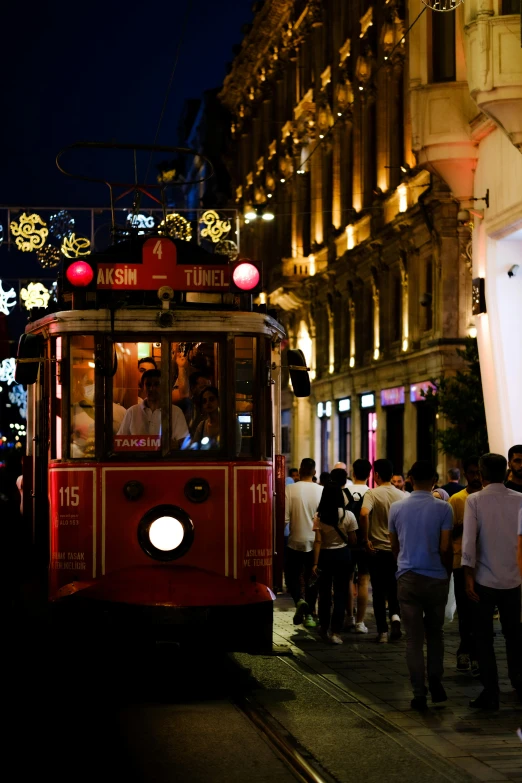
(302, 500)
(145, 417)
(342, 466)
(492, 574)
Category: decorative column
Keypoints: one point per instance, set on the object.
(336, 179)
(405, 304)
(376, 318)
(331, 335)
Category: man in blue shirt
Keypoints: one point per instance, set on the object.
(420, 530)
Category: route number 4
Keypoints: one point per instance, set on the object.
(259, 493)
(158, 249)
(69, 496)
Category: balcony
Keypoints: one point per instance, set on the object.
(494, 66)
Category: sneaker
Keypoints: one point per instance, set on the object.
(309, 622)
(349, 624)
(419, 703)
(486, 701)
(395, 632)
(437, 691)
(300, 611)
(382, 638)
(475, 669)
(496, 615)
(360, 628)
(335, 638)
(463, 662)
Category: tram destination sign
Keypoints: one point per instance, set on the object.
(159, 267)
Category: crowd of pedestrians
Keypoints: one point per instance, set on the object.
(408, 537)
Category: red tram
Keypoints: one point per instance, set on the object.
(152, 427)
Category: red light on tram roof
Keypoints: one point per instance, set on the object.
(80, 274)
(245, 276)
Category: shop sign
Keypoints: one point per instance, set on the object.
(416, 390)
(394, 396)
(368, 400)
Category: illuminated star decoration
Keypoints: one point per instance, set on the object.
(176, 227)
(215, 228)
(73, 246)
(35, 295)
(7, 299)
(61, 224)
(7, 371)
(49, 256)
(28, 236)
(1, 234)
(18, 396)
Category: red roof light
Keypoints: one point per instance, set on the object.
(245, 276)
(80, 274)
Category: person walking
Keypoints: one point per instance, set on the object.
(420, 535)
(466, 653)
(373, 522)
(519, 551)
(492, 574)
(361, 470)
(453, 486)
(302, 501)
(334, 528)
(343, 466)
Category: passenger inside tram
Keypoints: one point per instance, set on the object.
(145, 417)
(147, 363)
(206, 435)
(82, 414)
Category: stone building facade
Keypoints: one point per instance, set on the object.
(368, 257)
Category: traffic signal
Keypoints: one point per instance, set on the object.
(246, 277)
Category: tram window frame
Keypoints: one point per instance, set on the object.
(67, 379)
(57, 407)
(261, 448)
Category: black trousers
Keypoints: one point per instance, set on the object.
(298, 567)
(383, 568)
(508, 603)
(336, 570)
(465, 615)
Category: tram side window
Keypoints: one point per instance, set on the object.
(244, 382)
(57, 400)
(82, 396)
(195, 393)
(136, 412)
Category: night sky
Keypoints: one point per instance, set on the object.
(99, 72)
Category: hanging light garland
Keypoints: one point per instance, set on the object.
(61, 224)
(73, 246)
(442, 5)
(49, 256)
(176, 227)
(35, 295)
(28, 237)
(215, 228)
(7, 299)
(7, 371)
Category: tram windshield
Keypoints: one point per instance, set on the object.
(187, 386)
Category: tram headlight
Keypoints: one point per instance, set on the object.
(166, 532)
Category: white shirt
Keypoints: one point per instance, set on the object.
(358, 490)
(520, 522)
(489, 540)
(141, 420)
(302, 500)
(330, 538)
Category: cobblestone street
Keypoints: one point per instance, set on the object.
(485, 745)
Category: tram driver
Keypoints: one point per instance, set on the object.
(145, 417)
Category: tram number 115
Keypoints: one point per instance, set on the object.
(69, 496)
(259, 493)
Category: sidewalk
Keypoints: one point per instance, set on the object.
(482, 744)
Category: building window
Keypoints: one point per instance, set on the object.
(345, 431)
(508, 7)
(443, 47)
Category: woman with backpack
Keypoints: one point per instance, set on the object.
(334, 528)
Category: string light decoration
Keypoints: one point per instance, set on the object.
(141, 222)
(1, 234)
(227, 248)
(49, 256)
(35, 295)
(18, 396)
(7, 299)
(61, 224)
(215, 228)
(442, 5)
(74, 247)
(176, 227)
(7, 371)
(28, 237)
